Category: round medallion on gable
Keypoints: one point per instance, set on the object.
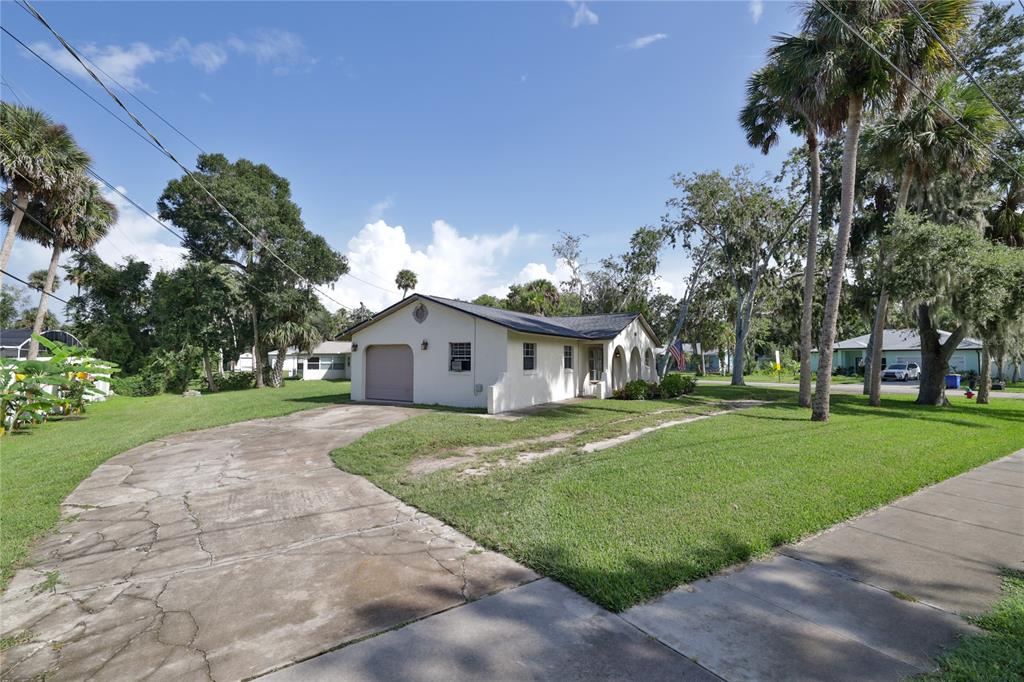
(419, 313)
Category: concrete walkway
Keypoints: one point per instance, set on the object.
(226, 553)
(876, 598)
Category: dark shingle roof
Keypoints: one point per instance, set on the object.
(12, 338)
(576, 327)
(587, 327)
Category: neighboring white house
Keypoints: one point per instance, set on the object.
(329, 360)
(432, 350)
(901, 345)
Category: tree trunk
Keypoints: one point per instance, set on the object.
(985, 382)
(699, 347)
(873, 371)
(869, 356)
(277, 377)
(257, 356)
(208, 372)
(44, 297)
(820, 405)
(934, 358)
(684, 306)
(20, 205)
(814, 161)
(737, 358)
(1016, 372)
(876, 344)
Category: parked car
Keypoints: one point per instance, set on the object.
(901, 371)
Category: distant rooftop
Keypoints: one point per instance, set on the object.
(902, 339)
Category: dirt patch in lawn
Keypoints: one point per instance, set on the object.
(529, 450)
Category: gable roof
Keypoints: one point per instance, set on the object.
(586, 327)
(902, 339)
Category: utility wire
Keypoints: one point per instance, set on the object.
(920, 89)
(33, 286)
(137, 99)
(963, 67)
(151, 141)
(13, 91)
(156, 141)
(77, 86)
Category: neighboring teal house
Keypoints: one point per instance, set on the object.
(901, 345)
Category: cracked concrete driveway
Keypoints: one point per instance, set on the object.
(226, 553)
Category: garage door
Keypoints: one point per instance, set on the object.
(389, 373)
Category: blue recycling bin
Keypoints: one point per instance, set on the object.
(952, 381)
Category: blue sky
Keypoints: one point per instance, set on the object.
(452, 138)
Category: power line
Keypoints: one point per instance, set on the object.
(13, 91)
(962, 67)
(33, 286)
(920, 89)
(76, 85)
(256, 240)
(137, 99)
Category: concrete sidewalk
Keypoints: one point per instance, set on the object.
(875, 598)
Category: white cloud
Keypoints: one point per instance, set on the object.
(451, 264)
(121, 63)
(208, 57)
(285, 50)
(378, 210)
(582, 15)
(206, 98)
(643, 41)
(756, 10)
(282, 50)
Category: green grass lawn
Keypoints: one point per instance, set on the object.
(40, 466)
(787, 378)
(998, 653)
(625, 524)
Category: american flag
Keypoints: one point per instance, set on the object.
(676, 349)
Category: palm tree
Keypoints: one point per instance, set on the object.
(79, 219)
(36, 156)
(921, 145)
(299, 331)
(405, 280)
(847, 30)
(37, 280)
(779, 94)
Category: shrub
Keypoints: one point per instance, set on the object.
(653, 391)
(635, 390)
(146, 382)
(675, 385)
(234, 381)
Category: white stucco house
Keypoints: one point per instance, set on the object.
(329, 360)
(432, 350)
(901, 345)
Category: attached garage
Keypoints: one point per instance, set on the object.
(389, 373)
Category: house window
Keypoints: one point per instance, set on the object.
(567, 357)
(595, 362)
(460, 357)
(313, 363)
(529, 357)
(338, 362)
